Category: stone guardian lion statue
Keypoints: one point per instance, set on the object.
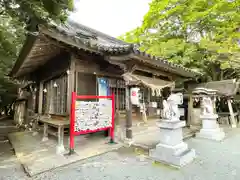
(170, 107)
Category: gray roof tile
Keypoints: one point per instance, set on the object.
(109, 45)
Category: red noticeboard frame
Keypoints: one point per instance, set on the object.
(72, 118)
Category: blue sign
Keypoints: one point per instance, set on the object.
(103, 89)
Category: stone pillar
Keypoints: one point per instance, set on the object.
(171, 148)
(210, 127)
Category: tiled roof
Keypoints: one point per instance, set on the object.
(227, 87)
(108, 45)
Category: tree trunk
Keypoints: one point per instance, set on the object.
(221, 75)
(5, 110)
(215, 71)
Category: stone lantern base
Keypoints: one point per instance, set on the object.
(210, 128)
(171, 149)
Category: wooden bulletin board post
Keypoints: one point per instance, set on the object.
(73, 118)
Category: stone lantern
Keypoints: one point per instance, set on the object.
(210, 128)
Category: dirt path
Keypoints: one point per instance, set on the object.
(10, 168)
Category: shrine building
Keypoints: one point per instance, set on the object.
(57, 60)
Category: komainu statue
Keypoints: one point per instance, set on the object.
(207, 106)
(170, 107)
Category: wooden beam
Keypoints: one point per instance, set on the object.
(118, 58)
(130, 66)
(163, 66)
(160, 70)
(154, 71)
(121, 65)
(106, 74)
(31, 64)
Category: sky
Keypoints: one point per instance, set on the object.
(113, 17)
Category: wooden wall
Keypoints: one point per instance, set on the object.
(53, 67)
(97, 65)
(87, 71)
(86, 84)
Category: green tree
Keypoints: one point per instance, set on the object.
(199, 34)
(16, 16)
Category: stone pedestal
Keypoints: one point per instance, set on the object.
(171, 148)
(210, 128)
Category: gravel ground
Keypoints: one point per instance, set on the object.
(215, 161)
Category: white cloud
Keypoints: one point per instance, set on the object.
(113, 17)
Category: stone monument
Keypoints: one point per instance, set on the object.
(210, 128)
(171, 148)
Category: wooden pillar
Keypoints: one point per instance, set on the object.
(117, 117)
(128, 114)
(233, 121)
(70, 82)
(190, 110)
(40, 98)
(50, 97)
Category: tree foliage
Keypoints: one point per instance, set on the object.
(15, 18)
(16, 15)
(199, 34)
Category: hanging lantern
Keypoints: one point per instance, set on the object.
(55, 84)
(135, 96)
(44, 90)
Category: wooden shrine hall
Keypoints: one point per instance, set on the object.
(66, 58)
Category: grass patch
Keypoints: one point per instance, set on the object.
(132, 150)
(139, 151)
(164, 165)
